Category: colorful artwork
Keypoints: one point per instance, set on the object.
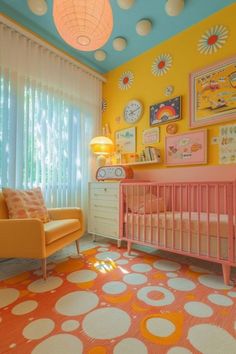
(126, 140)
(227, 144)
(161, 64)
(151, 136)
(213, 94)
(186, 149)
(126, 80)
(213, 39)
(166, 111)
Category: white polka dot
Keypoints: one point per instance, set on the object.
(135, 279)
(171, 275)
(167, 266)
(220, 300)
(70, 325)
(141, 268)
(103, 249)
(60, 344)
(24, 307)
(38, 328)
(122, 261)
(114, 287)
(181, 284)
(76, 303)
(82, 276)
(143, 296)
(108, 255)
(232, 293)
(42, 286)
(179, 350)
(211, 339)
(8, 296)
(130, 345)
(106, 323)
(197, 269)
(131, 255)
(198, 309)
(160, 327)
(213, 281)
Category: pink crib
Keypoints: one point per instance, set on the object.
(196, 219)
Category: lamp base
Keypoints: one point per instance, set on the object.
(101, 161)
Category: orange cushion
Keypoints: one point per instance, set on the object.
(25, 204)
(56, 229)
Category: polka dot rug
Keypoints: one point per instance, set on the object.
(109, 302)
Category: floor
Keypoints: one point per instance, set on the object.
(12, 267)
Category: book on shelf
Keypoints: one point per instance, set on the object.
(151, 153)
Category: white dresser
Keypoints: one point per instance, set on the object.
(103, 217)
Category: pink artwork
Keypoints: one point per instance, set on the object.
(186, 149)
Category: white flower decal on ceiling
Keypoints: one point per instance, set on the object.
(213, 39)
(161, 64)
(126, 80)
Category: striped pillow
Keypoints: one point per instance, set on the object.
(25, 204)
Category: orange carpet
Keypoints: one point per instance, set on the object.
(108, 302)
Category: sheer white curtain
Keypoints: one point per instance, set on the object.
(49, 110)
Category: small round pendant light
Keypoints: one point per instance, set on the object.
(38, 7)
(86, 24)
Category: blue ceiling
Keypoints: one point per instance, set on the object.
(164, 26)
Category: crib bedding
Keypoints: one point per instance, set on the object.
(193, 221)
(144, 229)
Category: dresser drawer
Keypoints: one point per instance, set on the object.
(104, 227)
(110, 206)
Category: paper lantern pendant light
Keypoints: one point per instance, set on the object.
(84, 24)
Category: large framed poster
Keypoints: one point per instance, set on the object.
(213, 94)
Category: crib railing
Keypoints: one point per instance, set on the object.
(197, 219)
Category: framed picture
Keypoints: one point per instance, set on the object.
(186, 149)
(126, 139)
(151, 136)
(165, 112)
(213, 94)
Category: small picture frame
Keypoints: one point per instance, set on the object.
(186, 149)
(212, 94)
(166, 111)
(151, 136)
(126, 140)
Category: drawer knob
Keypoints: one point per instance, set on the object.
(105, 189)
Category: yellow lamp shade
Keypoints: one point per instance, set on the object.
(101, 145)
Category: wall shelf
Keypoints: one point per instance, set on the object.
(139, 163)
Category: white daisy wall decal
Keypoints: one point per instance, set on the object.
(126, 80)
(161, 64)
(104, 105)
(213, 39)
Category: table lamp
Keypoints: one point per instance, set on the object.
(102, 147)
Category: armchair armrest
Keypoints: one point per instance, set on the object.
(66, 213)
(23, 238)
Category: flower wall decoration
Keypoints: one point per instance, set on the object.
(213, 39)
(126, 80)
(161, 64)
(104, 105)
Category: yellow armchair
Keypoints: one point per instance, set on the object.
(31, 238)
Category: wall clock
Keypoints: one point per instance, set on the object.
(133, 111)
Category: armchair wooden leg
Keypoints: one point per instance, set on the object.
(77, 246)
(44, 268)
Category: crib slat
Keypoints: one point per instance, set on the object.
(208, 219)
(218, 220)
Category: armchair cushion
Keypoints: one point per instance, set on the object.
(57, 229)
(24, 204)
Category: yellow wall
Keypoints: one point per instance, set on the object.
(150, 89)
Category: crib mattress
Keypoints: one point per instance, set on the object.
(195, 222)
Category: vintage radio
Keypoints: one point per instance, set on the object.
(117, 172)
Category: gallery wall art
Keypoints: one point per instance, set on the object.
(166, 111)
(213, 94)
(186, 149)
